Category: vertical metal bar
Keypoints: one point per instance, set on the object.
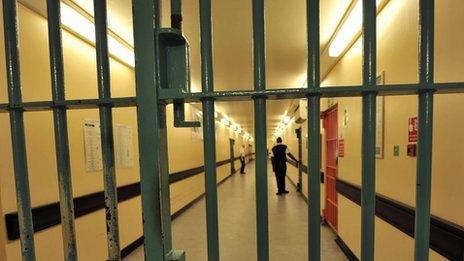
(259, 62)
(209, 130)
(176, 14)
(10, 23)
(106, 127)
(300, 155)
(146, 15)
(425, 135)
(368, 131)
(61, 131)
(314, 157)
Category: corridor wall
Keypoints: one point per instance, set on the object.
(397, 55)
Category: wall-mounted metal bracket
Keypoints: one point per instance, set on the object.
(174, 70)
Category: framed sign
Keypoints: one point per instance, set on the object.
(379, 126)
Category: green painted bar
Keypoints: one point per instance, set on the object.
(246, 95)
(176, 14)
(106, 129)
(259, 63)
(18, 142)
(61, 131)
(425, 135)
(146, 15)
(209, 142)
(314, 111)
(368, 131)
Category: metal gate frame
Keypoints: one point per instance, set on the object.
(151, 112)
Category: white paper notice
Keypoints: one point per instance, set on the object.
(123, 145)
(92, 144)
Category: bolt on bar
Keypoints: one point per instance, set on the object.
(259, 62)
(425, 135)
(106, 128)
(368, 131)
(10, 23)
(209, 142)
(146, 15)
(61, 131)
(314, 111)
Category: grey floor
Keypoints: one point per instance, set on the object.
(237, 225)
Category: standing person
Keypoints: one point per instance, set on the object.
(279, 164)
(242, 159)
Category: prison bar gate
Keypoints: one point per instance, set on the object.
(151, 105)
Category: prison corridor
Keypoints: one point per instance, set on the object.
(288, 216)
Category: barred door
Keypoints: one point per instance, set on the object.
(156, 86)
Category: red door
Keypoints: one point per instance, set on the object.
(331, 142)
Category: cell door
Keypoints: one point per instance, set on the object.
(331, 162)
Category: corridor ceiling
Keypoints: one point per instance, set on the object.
(286, 45)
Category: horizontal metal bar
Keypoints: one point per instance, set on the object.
(69, 104)
(271, 94)
(338, 91)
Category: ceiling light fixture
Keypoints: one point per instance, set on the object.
(286, 119)
(85, 28)
(225, 121)
(350, 27)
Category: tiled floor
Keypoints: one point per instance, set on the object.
(237, 225)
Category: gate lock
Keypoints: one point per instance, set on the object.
(174, 71)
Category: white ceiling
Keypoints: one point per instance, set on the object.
(286, 45)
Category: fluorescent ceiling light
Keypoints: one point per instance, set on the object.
(85, 28)
(348, 30)
(225, 121)
(234, 127)
(286, 119)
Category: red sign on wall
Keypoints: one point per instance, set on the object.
(412, 129)
(341, 148)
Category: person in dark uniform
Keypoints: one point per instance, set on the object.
(279, 164)
(242, 159)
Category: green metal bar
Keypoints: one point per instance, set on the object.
(106, 129)
(314, 111)
(146, 15)
(69, 104)
(259, 63)
(209, 143)
(176, 14)
(246, 95)
(368, 131)
(425, 135)
(336, 91)
(18, 142)
(300, 155)
(61, 131)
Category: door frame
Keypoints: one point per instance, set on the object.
(331, 109)
(232, 156)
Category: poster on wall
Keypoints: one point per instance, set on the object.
(412, 129)
(123, 146)
(379, 123)
(92, 146)
(341, 148)
(124, 149)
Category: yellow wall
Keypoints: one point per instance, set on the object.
(396, 176)
(81, 83)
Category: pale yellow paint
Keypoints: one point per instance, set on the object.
(396, 176)
(81, 82)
